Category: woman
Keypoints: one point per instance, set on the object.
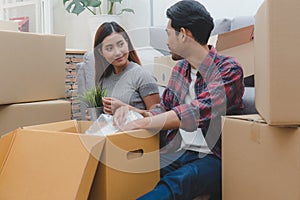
(117, 69)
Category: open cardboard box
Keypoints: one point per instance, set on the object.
(259, 161)
(47, 164)
(129, 163)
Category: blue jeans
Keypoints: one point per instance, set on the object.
(186, 175)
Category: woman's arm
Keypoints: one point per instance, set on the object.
(112, 104)
(151, 100)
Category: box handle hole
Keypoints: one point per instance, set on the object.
(135, 154)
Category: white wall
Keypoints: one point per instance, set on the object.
(77, 30)
(217, 8)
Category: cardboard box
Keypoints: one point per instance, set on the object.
(8, 25)
(25, 114)
(259, 161)
(42, 164)
(32, 67)
(239, 44)
(129, 165)
(277, 72)
(162, 69)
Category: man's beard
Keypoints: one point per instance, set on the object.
(176, 56)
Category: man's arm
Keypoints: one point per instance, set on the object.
(164, 121)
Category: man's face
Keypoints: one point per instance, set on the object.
(173, 42)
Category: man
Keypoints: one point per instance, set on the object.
(202, 87)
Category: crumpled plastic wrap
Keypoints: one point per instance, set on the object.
(104, 124)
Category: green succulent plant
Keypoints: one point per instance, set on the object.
(78, 6)
(93, 96)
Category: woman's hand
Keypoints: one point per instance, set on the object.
(110, 105)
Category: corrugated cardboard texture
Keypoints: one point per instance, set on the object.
(24, 114)
(47, 165)
(32, 67)
(259, 161)
(277, 72)
(8, 25)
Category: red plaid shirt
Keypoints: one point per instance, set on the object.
(219, 89)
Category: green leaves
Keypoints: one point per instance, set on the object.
(93, 96)
(78, 6)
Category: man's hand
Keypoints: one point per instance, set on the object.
(120, 116)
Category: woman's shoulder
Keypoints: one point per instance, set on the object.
(138, 69)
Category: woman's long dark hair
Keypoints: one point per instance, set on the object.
(102, 67)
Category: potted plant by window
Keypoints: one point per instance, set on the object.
(101, 10)
(78, 6)
(93, 100)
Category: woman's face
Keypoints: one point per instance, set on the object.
(115, 50)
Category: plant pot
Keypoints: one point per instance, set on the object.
(95, 112)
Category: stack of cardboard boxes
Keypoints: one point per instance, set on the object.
(261, 152)
(32, 80)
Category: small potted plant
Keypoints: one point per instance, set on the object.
(93, 100)
(78, 6)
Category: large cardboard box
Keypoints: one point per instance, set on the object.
(8, 25)
(32, 67)
(25, 114)
(45, 164)
(239, 44)
(129, 164)
(259, 161)
(277, 73)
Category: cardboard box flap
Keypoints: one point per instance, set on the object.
(5, 146)
(72, 126)
(235, 38)
(49, 165)
(68, 125)
(253, 118)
